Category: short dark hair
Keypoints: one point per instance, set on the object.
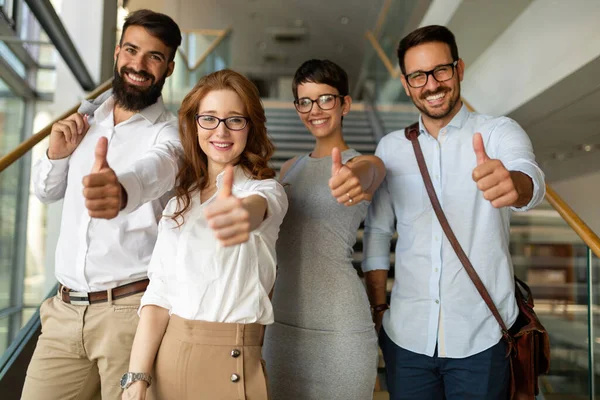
(159, 25)
(321, 71)
(427, 34)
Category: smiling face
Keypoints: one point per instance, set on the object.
(221, 145)
(323, 123)
(436, 100)
(141, 68)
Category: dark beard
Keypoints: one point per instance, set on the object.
(133, 98)
(451, 104)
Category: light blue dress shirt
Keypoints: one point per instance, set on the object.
(433, 299)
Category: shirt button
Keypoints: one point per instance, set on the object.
(437, 269)
(436, 238)
(235, 353)
(437, 302)
(235, 378)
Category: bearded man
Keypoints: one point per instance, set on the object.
(114, 168)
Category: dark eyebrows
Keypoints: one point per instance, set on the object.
(133, 46)
(130, 45)
(431, 70)
(158, 53)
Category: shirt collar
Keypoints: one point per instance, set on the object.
(457, 122)
(150, 113)
(153, 112)
(239, 177)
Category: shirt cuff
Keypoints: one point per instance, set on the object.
(375, 263)
(55, 167)
(133, 187)
(539, 187)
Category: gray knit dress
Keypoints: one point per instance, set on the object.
(322, 345)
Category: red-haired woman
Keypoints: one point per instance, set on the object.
(203, 314)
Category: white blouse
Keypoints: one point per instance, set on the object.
(196, 278)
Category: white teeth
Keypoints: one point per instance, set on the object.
(136, 78)
(222, 145)
(435, 97)
(318, 121)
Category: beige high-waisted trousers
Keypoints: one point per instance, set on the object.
(210, 361)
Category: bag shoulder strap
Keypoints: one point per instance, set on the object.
(412, 134)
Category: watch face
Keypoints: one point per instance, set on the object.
(124, 380)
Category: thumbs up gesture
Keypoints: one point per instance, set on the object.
(345, 186)
(227, 216)
(104, 195)
(492, 178)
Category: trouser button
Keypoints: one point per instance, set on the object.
(235, 353)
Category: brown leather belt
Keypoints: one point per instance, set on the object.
(85, 299)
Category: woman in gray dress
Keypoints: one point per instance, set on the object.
(322, 345)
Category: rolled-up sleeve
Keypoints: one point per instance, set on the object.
(514, 149)
(154, 174)
(50, 178)
(157, 291)
(277, 202)
(379, 225)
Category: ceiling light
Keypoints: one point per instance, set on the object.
(344, 20)
(587, 147)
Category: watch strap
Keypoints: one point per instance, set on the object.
(133, 377)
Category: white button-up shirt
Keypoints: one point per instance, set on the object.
(434, 302)
(196, 278)
(144, 151)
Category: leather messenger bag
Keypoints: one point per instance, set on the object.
(528, 341)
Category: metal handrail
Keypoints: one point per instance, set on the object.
(28, 143)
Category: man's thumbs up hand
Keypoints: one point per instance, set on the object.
(479, 149)
(492, 177)
(100, 153)
(104, 195)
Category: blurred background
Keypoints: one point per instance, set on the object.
(536, 61)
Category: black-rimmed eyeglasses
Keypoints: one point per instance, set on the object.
(232, 123)
(441, 73)
(324, 101)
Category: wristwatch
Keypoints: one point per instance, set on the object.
(129, 377)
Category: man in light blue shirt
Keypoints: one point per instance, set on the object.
(439, 338)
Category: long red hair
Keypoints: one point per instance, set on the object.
(193, 174)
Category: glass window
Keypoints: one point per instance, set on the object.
(11, 125)
(7, 7)
(12, 60)
(3, 334)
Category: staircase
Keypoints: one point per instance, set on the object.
(291, 138)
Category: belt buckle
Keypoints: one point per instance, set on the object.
(79, 298)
